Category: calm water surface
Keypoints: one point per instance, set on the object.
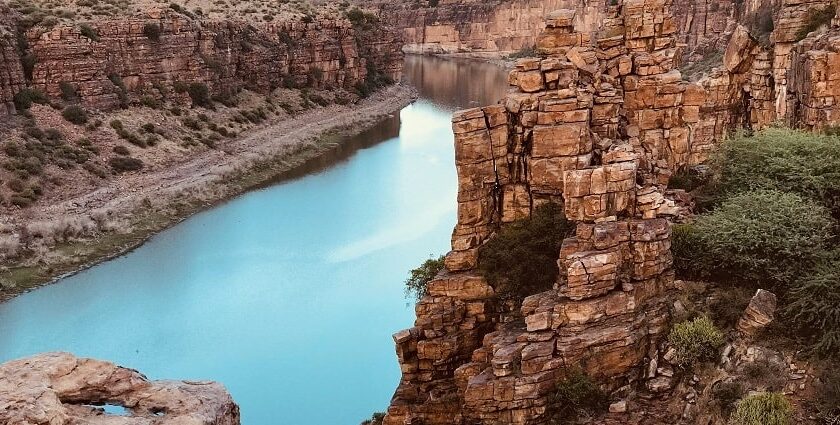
(288, 295)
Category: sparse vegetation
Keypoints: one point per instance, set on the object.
(26, 97)
(415, 285)
(576, 395)
(815, 306)
(152, 31)
(521, 259)
(123, 164)
(695, 341)
(89, 32)
(75, 114)
(763, 409)
(816, 18)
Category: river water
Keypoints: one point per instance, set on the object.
(289, 294)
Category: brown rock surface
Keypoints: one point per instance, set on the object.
(60, 389)
(599, 125)
(759, 313)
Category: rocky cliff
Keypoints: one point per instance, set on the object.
(127, 61)
(599, 124)
(11, 68)
(60, 389)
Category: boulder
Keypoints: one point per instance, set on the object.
(61, 389)
(759, 313)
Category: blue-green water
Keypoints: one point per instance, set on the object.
(287, 295)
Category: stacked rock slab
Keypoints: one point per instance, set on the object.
(814, 85)
(60, 389)
(598, 124)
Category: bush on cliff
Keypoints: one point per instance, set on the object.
(75, 114)
(763, 237)
(695, 341)
(574, 396)
(89, 32)
(814, 306)
(783, 159)
(200, 95)
(763, 409)
(816, 18)
(521, 259)
(152, 31)
(26, 97)
(416, 283)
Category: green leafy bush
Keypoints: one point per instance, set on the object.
(695, 341)
(828, 394)
(786, 160)
(68, 91)
(521, 259)
(766, 237)
(75, 114)
(814, 306)
(763, 409)
(416, 283)
(575, 395)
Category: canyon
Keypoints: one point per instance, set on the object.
(611, 100)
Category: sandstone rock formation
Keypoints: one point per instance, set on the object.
(11, 69)
(60, 389)
(759, 313)
(124, 64)
(599, 125)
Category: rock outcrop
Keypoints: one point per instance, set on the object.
(759, 313)
(126, 61)
(60, 389)
(598, 125)
(11, 68)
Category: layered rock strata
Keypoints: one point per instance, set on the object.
(11, 68)
(598, 125)
(60, 389)
(127, 62)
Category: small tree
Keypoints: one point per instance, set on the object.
(416, 283)
(574, 395)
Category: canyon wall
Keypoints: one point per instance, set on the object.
(11, 68)
(598, 125)
(122, 63)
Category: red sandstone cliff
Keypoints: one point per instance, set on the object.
(124, 64)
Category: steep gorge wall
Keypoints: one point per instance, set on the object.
(124, 64)
(11, 68)
(598, 126)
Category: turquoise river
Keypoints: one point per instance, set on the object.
(289, 294)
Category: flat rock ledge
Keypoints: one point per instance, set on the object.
(61, 389)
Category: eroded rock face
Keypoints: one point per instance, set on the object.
(125, 64)
(11, 69)
(598, 125)
(61, 389)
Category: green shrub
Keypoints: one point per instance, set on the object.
(68, 91)
(152, 31)
(763, 237)
(575, 395)
(727, 393)
(24, 99)
(814, 306)
(525, 52)
(763, 409)
(696, 341)
(121, 150)
(75, 114)
(521, 259)
(122, 164)
(89, 32)
(816, 18)
(200, 94)
(785, 160)
(416, 283)
(687, 180)
(362, 20)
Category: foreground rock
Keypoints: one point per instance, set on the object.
(59, 388)
(759, 313)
